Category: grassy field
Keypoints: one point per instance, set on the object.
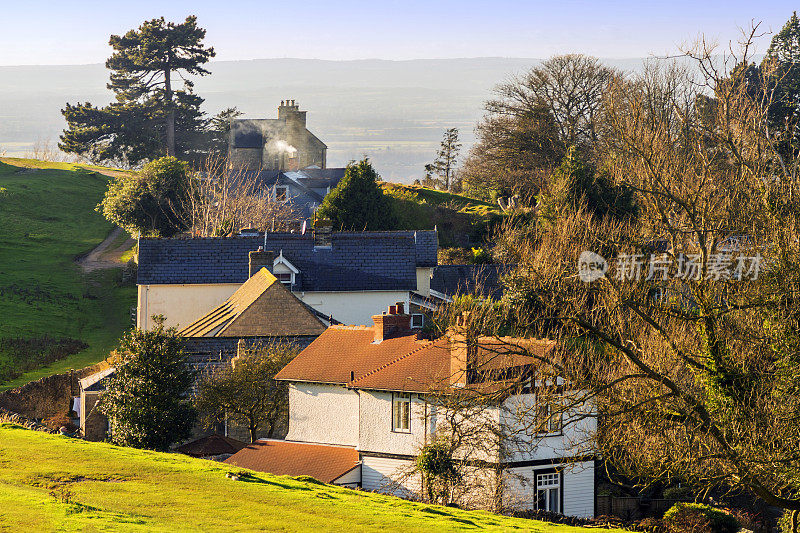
(50, 482)
(47, 218)
(461, 221)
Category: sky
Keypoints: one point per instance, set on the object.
(76, 31)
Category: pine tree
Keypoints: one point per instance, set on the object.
(446, 160)
(149, 118)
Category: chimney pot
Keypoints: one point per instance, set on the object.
(400, 309)
(392, 310)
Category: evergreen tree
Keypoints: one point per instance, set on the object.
(150, 202)
(446, 160)
(146, 399)
(781, 70)
(358, 202)
(150, 117)
(575, 182)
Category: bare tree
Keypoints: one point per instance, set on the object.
(681, 325)
(224, 199)
(246, 392)
(532, 121)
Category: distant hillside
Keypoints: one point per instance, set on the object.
(461, 221)
(393, 111)
(49, 308)
(77, 485)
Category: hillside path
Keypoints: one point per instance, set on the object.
(105, 254)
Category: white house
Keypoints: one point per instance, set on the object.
(344, 275)
(377, 391)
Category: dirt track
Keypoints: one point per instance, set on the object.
(104, 255)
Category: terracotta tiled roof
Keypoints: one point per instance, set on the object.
(341, 350)
(420, 370)
(211, 445)
(323, 462)
(261, 307)
(347, 355)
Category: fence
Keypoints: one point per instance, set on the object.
(632, 508)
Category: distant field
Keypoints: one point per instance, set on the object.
(47, 218)
(50, 482)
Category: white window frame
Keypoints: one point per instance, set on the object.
(292, 270)
(548, 486)
(417, 317)
(401, 412)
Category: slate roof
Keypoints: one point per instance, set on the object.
(285, 458)
(451, 280)
(210, 446)
(355, 260)
(261, 307)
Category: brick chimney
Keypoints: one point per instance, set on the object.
(260, 259)
(459, 354)
(393, 323)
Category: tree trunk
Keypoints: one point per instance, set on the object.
(170, 112)
(253, 428)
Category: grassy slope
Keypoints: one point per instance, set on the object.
(436, 197)
(47, 218)
(131, 490)
(461, 220)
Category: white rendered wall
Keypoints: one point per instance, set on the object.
(353, 308)
(376, 425)
(323, 413)
(424, 280)
(183, 304)
(574, 440)
(180, 304)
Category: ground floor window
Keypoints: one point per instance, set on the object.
(548, 491)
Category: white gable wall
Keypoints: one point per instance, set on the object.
(574, 439)
(323, 413)
(375, 425)
(183, 304)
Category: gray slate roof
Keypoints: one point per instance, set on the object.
(380, 260)
(484, 280)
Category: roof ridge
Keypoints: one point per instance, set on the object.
(398, 359)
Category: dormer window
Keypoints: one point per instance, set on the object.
(281, 193)
(285, 271)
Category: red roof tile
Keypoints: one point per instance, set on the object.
(323, 462)
(341, 350)
(402, 363)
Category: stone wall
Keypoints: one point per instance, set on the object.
(49, 396)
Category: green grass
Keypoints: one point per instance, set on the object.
(50, 482)
(47, 218)
(461, 221)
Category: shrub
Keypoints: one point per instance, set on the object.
(678, 493)
(696, 517)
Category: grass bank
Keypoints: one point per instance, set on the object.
(50, 482)
(47, 219)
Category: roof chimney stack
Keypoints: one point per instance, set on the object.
(260, 259)
(392, 323)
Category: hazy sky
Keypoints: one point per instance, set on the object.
(74, 32)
